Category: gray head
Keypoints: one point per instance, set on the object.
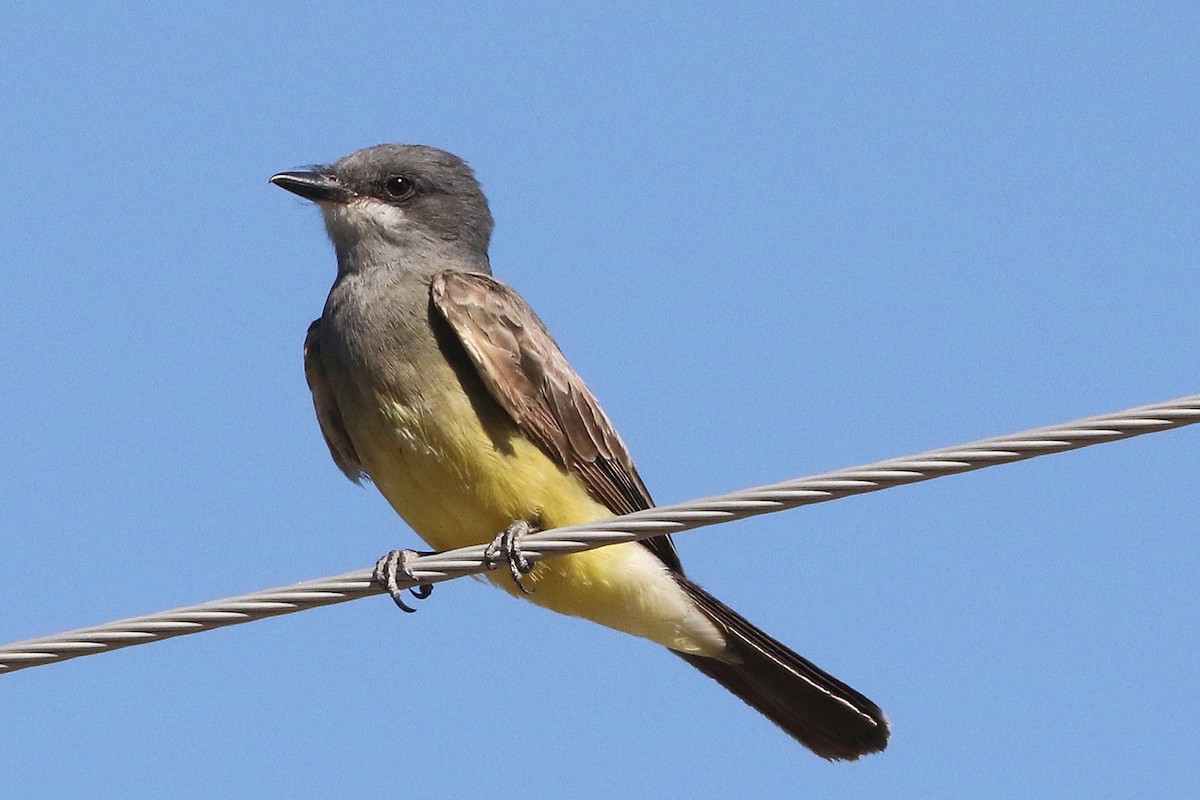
(398, 203)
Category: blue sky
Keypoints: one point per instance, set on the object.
(775, 241)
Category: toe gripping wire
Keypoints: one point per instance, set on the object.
(417, 572)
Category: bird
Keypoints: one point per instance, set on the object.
(439, 384)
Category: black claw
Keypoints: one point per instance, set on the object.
(398, 599)
(507, 546)
(386, 571)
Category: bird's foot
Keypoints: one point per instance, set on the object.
(507, 547)
(392, 567)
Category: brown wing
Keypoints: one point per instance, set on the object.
(329, 416)
(527, 374)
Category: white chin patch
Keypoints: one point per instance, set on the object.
(362, 218)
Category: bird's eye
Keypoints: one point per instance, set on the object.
(399, 187)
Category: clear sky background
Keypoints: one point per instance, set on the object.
(776, 239)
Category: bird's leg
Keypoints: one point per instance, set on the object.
(394, 565)
(507, 546)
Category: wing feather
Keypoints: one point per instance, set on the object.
(329, 416)
(527, 374)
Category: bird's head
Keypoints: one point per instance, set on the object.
(397, 201)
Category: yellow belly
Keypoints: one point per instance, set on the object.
(460, 482)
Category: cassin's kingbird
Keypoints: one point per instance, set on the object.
(441, 385)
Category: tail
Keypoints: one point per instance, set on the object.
(822, 713)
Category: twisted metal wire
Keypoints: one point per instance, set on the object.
(450, 564)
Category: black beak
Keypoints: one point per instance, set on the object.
(315, 186)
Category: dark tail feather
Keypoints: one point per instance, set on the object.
(822, 713)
